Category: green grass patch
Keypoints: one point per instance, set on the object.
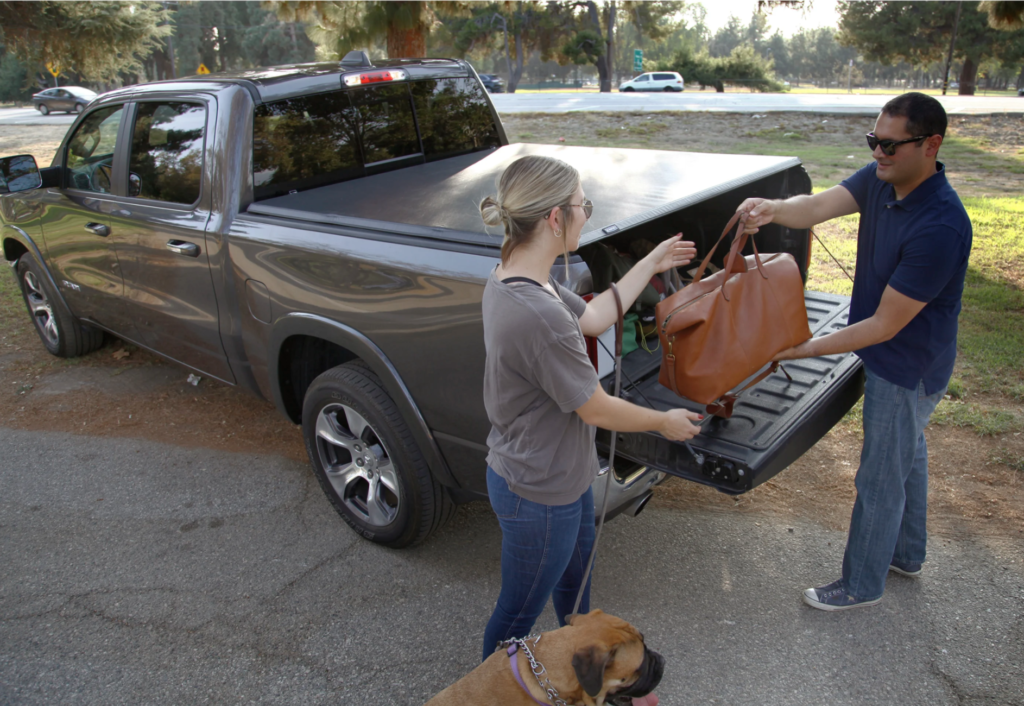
(12, 306)
(641, 130)
(1006, 457)
(986, 421)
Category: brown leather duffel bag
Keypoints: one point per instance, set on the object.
(720, 330)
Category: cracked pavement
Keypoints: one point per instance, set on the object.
(141, 573)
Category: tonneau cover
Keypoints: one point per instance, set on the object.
(441, 199)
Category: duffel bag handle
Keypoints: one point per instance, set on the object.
(739, 242)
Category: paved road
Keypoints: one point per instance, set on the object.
(135, 572)
(709, 101)
(706, 101)
(30, 116)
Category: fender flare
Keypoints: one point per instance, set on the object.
(32, 249)
(346, 337)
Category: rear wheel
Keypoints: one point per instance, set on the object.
(60, 332)
(367, 461)
(668, 89)
(43, 109)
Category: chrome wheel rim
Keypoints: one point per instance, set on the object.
(41, 309)
(358, 465)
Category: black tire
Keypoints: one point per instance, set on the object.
(79, 107)
(61, 333)
(387, 494)
(43, 110)
(628, 89)
(668, 89)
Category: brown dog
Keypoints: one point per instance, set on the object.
(595, 657)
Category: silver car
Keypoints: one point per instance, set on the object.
(70, 99)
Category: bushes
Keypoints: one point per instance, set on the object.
(743, 67)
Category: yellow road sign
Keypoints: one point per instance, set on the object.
(53, 68)
(202, 69)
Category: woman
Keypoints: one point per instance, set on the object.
(542, 394)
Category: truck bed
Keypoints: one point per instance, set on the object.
(773, 423)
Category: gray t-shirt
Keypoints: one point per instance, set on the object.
(536, 375)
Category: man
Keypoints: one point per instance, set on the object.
(912, 249)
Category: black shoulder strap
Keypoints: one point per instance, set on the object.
(511, 280)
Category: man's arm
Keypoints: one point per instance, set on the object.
(894, 312)
(802, 211)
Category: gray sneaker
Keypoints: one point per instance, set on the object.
(912, 569)
(834, 597)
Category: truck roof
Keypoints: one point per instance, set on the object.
(274, 83)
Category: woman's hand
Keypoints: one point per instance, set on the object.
(674, 252)
(678, 425)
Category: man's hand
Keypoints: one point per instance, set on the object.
(674, 252)
(759, 212)
(678, 424)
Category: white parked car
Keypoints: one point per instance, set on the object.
(654, 81)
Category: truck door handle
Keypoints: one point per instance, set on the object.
(98, 229)
(180, 247)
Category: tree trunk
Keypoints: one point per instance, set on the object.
(609, 47)
(604, 76)
(407, 43)
(515, 77)
(1020, 79)
(513, 80)
(968, 76)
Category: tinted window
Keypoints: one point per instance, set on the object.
(663, 77)
(453, 116)
(167, 152)
(304, 142)
(300, 143)
(90, 150)
(386, 126)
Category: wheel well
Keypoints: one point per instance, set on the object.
(13, 249)
(302, 359)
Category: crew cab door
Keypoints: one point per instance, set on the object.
(162, 223)
(76, 223)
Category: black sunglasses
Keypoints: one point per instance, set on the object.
(889, 146)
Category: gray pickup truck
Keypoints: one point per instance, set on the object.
(311, 234)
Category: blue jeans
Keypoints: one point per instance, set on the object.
(890, 515)
(544, 552)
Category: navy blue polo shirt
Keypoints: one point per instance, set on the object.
(918, 246)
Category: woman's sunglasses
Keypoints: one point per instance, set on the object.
(889, 146)
(588, 207)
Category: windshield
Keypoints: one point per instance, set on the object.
(309, 141)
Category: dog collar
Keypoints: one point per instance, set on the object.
(514, 663)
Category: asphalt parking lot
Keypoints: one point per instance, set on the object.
(137, 572)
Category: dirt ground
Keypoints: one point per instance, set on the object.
(123, 391)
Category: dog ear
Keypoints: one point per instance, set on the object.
(589, 664)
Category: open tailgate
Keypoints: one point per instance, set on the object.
(773, 423)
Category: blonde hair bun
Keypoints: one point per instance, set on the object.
(490, 211)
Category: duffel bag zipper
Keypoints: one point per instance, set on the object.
(664, 326)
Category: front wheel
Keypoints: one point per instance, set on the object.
(367, 461)
(43, 110)
(79, 107)
(60, 332)
(628, 89)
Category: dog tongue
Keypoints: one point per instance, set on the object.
(649, 700)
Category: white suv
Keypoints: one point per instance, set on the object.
(654, 81)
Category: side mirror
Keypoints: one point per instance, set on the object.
(134, 184)
(19, 174)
